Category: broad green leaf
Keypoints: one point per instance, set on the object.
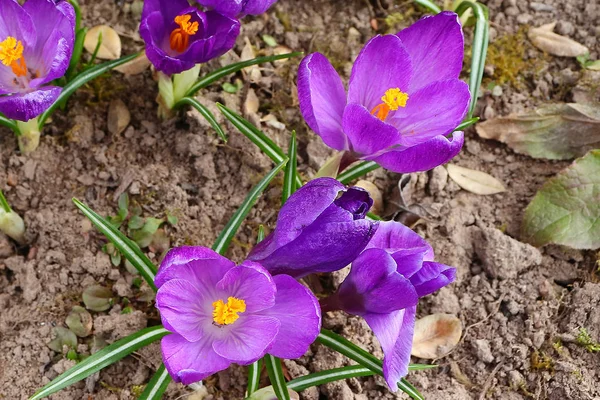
(276, 377)
(105, 357)
(222, 242)
(566, 210)
(253, 377)
(356, 171)
(331, 375)
(126, 246)
(232, 68)
(157, 385)
(205, 112)
(554, 132)
(81, 80)
(291, 171)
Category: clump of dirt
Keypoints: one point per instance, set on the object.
(522, 309)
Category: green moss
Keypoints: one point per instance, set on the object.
(585, 340)
(507, 55)
(541, 361)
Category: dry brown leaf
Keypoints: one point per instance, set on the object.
(118, 117)
(252, 103)
(546, 40)
(110, 48)
(135, 66)
(253, 72)
(475, 181)
(555, 132)
(436, 335)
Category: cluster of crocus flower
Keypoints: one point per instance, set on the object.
(404, 97)
(220, 313)
(36, 43)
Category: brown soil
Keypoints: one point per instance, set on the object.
(521, 307)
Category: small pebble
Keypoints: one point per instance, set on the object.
(497, 91)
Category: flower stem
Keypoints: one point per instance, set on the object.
(29, 135)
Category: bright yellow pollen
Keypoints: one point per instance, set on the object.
(392, 100)
(227, 313)
(395, 98)
(11, 50)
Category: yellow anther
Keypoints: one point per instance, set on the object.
(395, 98)
(227, 313)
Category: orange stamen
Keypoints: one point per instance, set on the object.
(180, 37)
(11, 55)
(392, 100)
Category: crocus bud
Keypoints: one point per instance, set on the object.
(321, 228)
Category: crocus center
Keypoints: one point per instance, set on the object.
(227, 313)
(180, 37)
(392, 100)
(11, 55)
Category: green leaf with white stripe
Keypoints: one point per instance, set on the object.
(364, 358)
(227, 234)
(126, 246)
(253, 377)
(356, 171)
(257, 137)
(276, 377)
(105, 357)
(233, 68)
(205, 112)
(291, 171)
(157, 385)
(330, 375)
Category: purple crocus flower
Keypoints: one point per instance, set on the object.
(404, 97)
(179, 36)
(384, 287)
(238, 8)
(321, 228)
(36, 44)
(221, 313)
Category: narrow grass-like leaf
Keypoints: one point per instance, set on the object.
(479, 48)
(258, 137)
(330, 375)
(126, 246)
(364, 358)
(261, 233)
(232, 68)
(9, 123)
(105, 357)
(276, 377)
(374, 217)
(227, 234)
(6, 207)
(291, 171)
(253, 377)
(205, 112)
(357, 171)
(157, 385)
(465, 124)
(81, 80)
(428, 4)
(77, 52)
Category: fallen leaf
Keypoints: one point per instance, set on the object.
(566, 210)
(544, 39)
(110, 47)
(251, 104)
(253, 74)
(118, 117)
(436, 335)
(554, 132)
(475, 181)
(135, 66)
(273, 122)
